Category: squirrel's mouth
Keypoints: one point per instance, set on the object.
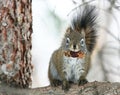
(74, 54)
(79, 54)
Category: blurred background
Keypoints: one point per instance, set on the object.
(50, 19)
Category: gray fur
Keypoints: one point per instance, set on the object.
(74, 68)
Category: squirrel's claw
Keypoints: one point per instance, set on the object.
(82, 82)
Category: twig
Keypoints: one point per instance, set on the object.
(85, 3)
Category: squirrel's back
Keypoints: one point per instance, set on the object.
(84, 18)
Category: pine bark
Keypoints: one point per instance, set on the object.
(15, 42)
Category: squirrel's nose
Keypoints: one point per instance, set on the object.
(74, 46)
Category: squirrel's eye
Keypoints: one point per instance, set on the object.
(67, 41)
(82, 42)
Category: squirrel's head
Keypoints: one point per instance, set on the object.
(74, 41)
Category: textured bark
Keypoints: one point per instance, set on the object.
(15, 42)
(93, 88)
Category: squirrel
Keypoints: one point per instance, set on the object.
(71, 61)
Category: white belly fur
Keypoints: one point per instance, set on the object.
(73, 68)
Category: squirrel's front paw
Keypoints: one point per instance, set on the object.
(65, 85)
(82, 81)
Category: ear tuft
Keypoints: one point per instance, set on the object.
(68, 30)
(83, 33)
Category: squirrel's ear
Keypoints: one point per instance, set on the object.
(83, 33)
(69, 30)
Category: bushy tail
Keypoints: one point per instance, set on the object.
(84, 18)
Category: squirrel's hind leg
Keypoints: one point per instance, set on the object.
(55, 82)
(53, 76)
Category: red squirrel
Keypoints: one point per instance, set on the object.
(71, 61)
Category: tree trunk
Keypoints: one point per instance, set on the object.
(15, 42)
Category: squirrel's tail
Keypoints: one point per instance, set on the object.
(84, 18)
